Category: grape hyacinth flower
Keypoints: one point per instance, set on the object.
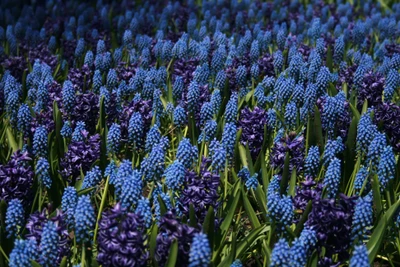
(359, 257)
(24, 119)
(92, 178)
(40, 142)
(361, 177)
(200, 251)
(237, 263)
(186, 153)
(84, 219)
(114, 138)
(48, 245)
(362, 218)
(143, 209)
(23, 252)
(386, 167)
(280, 255)
(332, 177)
(15, 218)
(66, 130)
(175, 175)
(312, 161)
(42, 171)
(80, 132)
(179, 117)
(131, 190)
(68, 96)
(375, 149)
(68, 203)
(135, 130)
(252, 182)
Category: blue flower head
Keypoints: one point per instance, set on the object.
(229, 139)
(68, 203)
(79, 133)
(386, 167)
(216, 101)
(23, 252)
(376, 148)
(312, 161)
(144, 210)
(92, 178)
(15, 218)
(361, 176)
(66, 130)
(231, 110)
(220, 80)
(48, 245)
(68, 96)
(359, 257)
(131, 190)
(291, 115)
(332, 178)
(185, 153)
(209, 131)
(24, 119)
(114, 138)
(206, 112)
(252, 182)
(200, 251)
(366, 132)
(241, 76)
(175, 175)
(40, 142)
(179, 117)
(84, 219)
(280, 255)
(193, 96)
(43, 172)
(362, 218)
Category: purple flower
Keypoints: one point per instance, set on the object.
(371, 90)
(388, 114)
(16, 178)
(121, 238)
(80, 155)
(292, 144)
(252, 124)
(36, 223)
(171, 229)
(81, 78)
(144, 107)
(86, 109)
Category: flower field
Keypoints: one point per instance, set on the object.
(199, 133)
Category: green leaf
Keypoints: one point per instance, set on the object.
(11, 140)
(303, 219)
(63, 262)
(35, 264)
(208, 226)
(292, 185)
(153, 243)
(249, 210)
(378, 234)
(285, 174)
(376, 194)
(261, 201)
(355, 111)
(163, 207)
(173, 254)
(231, 210)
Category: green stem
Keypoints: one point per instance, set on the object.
(40, 198)
(83, 260)
(103, 201)
(4, 254)
(34, 201)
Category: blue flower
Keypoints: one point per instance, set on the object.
(231, 110)
(40, 142)
(216, 101)
(193, 96)
(23, 252)
(366, 132)
(179, 117)
(332, 149)
(68, 203)
(200, 251)
(362, 218)
(312, 161)
(24, 119)
(114, 138)
(92, 178)
(218, 158)
(125, 170)
(68, 96)
(79, 133)
(359, 257)
(323, 79)
(131, 190)
(241, 76)
(229, 139)
(84, 219)
(209, 131)
(376, 148)
(48, 245)
(89, 59)
(185, 153)
(206, 112)
(237, 263)
(252, 182)
(338, 50)
(15, 218)
(80, 48)
(175, 175)
(12, 102)
(291, 115)
(278, 61)
(280, 255)
(43, 172)
(97, 81)
(332, 178)
(144, 210)
(220, 80)
(386, 167)
(361, 176)
(244, 174)
(112, 79)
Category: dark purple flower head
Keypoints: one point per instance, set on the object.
(125, 73)
(266, 65)
(171, 229)
(292, 144)
(144, 107)
(309, 190)
(346, 76)
(81, 78)
(16, 178)
(121, 238)
(86, 109)
(332, 221)
(252, 123)
(38, 220)
(185, 68)
(372, 88)
(15, 65)
(80, 155)
(42, 52)
(388, 115)
(201, 192)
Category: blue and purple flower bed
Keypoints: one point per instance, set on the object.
(199, 133)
